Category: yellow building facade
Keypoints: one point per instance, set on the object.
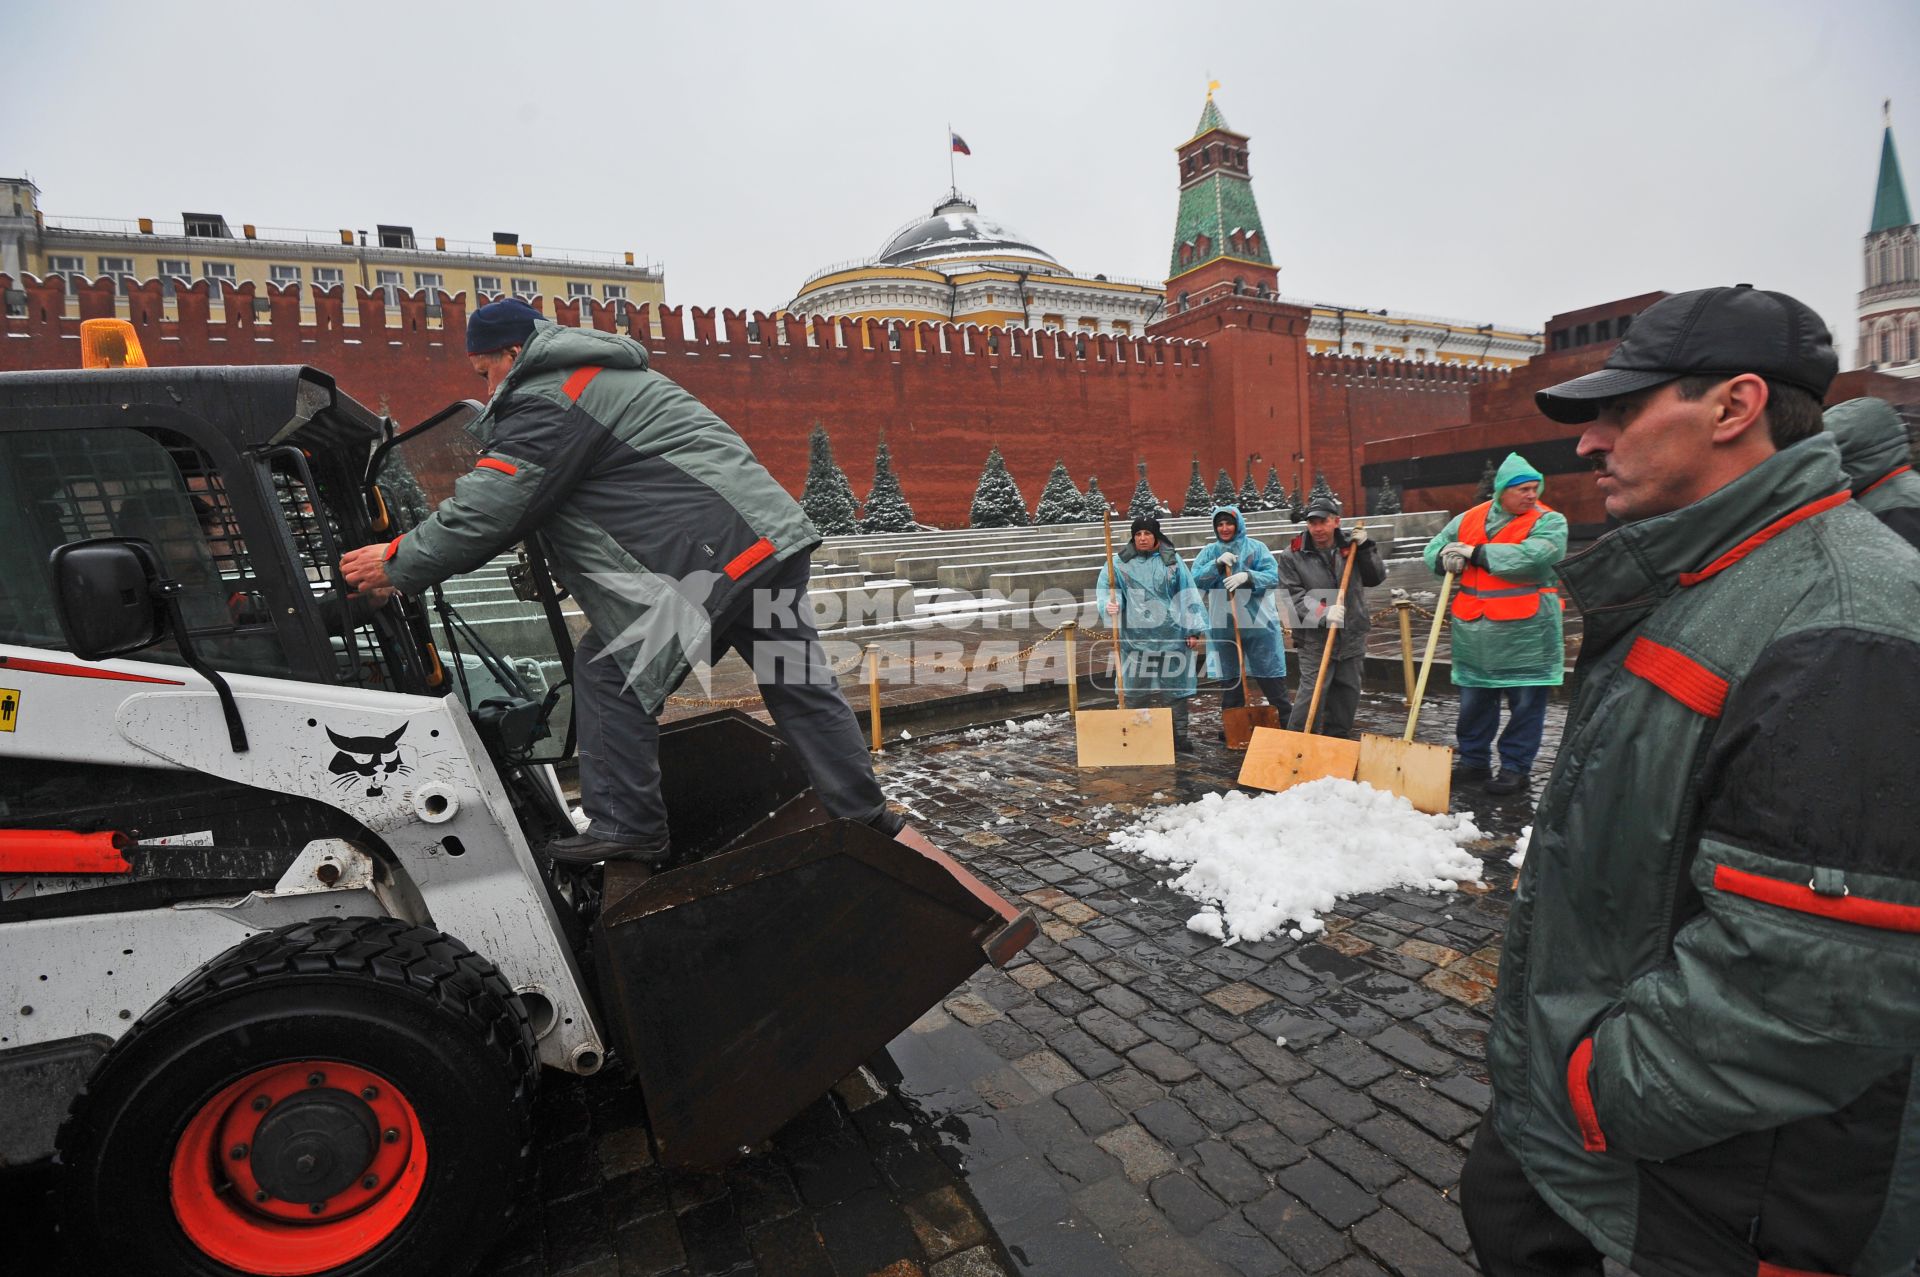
(389, 258)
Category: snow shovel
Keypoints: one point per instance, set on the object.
(1239, 721)
(1122, 737)
(1279, 760)
(1420, 773)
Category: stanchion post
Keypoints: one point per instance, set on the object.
(873, 692)
(1073, 672)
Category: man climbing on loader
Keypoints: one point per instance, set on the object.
(675, 540)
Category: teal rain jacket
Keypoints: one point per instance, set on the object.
(1160, 609)
(1260, 632)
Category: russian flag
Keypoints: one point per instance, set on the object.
(959, 144)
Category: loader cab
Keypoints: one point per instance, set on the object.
(249, 484)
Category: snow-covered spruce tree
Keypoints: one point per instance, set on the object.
(1144, 504)
(1093, 503)
(1197, 500)
(1223, 493)
(997, 502)
(1059, 500)
(887, 508)
(828, 497)
(1484, 492)
(1275, 497)
(1321, 488)
(1249, 495)
(1385, 501)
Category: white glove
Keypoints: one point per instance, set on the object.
(1113, 607)
(1235, 581)
(1226, 560)
(1455, 557)
(1358, 534)
(1337, 616)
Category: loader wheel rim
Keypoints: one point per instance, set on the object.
(283, 1129)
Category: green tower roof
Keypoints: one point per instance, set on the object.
(1890, 199)
(1210, 118)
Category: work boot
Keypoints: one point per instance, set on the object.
(889, 822)
(1507, 783)
(1466, 773)
(587, 849)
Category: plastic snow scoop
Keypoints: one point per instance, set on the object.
(1122, 737)
(739, 988)
(1278, 760)
(1420, 773)
(1239, 721)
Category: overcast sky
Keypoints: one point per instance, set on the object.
(1492, 161)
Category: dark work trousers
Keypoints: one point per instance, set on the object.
(1480, 717)
(1515, 1233)
(620, 741)
(1338, 703)
(1232, 696)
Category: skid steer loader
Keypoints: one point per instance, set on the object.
(279, 966)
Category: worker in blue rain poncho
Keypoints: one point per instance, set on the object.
(1235, 567)
(1162, 621)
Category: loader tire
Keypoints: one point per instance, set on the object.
(346, 1096)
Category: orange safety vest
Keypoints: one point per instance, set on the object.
(1480, 592)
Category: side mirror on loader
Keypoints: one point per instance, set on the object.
(110, 595)
(114, 599)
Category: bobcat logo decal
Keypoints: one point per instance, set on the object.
(369, 758)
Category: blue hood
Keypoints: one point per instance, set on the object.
(1239, 523)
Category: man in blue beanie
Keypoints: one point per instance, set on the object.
(674, 539)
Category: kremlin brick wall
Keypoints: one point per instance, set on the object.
(944, 397)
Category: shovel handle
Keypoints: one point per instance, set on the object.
(1333, 634)
(1239, 654)
(1113, 588)
(1426, 662)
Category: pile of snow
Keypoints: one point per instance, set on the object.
(1262, 863)
(1520, 844)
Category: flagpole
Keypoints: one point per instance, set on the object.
(952, 181)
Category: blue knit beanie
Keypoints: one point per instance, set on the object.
(498, 325)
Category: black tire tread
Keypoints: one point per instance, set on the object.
(390, 951)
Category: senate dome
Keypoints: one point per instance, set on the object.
(954, 234)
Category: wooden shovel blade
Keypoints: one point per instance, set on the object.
(1240, 721)
(1124, 737)
(1278, 760)
(1420, 773)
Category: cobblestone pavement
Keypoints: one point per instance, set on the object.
(1117, 1096)
(1113, 1103)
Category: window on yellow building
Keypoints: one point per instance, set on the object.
(173, 270)
(485, 286)
(329, 276)
(215, 273)
(118, 269)
(526, 288)
(389, 282)
(283, 275)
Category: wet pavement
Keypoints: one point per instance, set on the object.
(1115, 1101)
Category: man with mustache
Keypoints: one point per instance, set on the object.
(1703, 1051)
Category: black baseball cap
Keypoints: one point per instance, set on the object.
(1322, 507)
(1712, 331)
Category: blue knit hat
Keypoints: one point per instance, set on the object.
(498, 325)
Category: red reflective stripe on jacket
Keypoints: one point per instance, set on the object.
(1804, 899)
(1765, 535)
(494, 463)
(1679, 676)
(393, 548)
(1481, 593)
(578, 382)
(1592, 1138)
(1779, 1270)
(745, 560)
(1897, 470)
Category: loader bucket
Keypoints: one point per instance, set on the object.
(741, 987)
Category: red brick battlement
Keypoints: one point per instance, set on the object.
(943, 393)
